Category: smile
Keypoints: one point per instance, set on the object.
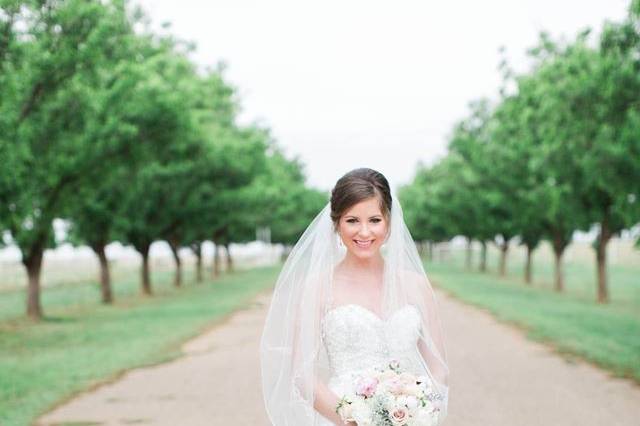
(363, 244)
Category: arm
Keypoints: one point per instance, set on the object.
(324, 399)
(431, 345)
(325, 403)
(438, 369)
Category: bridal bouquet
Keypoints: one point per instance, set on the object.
(389, 397)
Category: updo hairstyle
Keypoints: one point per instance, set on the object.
(356, 186)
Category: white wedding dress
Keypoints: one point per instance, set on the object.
(356, 339)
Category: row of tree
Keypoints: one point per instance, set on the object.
(559, 151)
(113, 128)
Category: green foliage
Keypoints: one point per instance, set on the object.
(51, 62)
(282, 199)
(119, 133)
(559, 152)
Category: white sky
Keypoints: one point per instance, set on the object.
(346, 84)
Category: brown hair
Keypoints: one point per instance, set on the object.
(359, 185)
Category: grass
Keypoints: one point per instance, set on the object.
(572, 322)
(82, 343)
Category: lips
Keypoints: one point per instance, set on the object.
(363, 244)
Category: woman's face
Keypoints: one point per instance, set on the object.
(363, 228)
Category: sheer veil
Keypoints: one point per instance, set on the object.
(292, 355)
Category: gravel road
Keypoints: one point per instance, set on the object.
(498, 378)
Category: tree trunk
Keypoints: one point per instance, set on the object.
(527, 265)
(197, 250)
(559, 275)
(229, 259)
(558, 248)
(504, 247)
(468, 255)
(483, 256)
(146, 276)
(215, 269)
(175, 246)
(601, 254)
(105, 276)
(33, 264)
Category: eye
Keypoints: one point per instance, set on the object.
(353, 220)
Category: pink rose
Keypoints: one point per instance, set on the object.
(395, 386)
(367, 387)
(399, 416)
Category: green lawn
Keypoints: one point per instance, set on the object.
(81, 342)
(573, 323)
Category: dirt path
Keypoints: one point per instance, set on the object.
(498, 378)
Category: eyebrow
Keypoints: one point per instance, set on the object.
(370, 217)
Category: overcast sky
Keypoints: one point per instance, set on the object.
(345, 84)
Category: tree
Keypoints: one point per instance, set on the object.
(51, 56)
(591, 128)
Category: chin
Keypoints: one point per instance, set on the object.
(365, 254)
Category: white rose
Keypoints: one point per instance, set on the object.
(361, 413)
(412, 402)
(346, 412)
(408, 378)
(387, 375)
(424, 418)
(414, 390)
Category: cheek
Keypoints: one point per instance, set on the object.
(381, 231)
(349, 231)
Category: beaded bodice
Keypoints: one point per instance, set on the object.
(357, 339)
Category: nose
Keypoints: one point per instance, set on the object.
(364, 231)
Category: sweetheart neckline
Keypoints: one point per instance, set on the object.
(376, 316)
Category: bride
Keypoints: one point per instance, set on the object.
(351, 296)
